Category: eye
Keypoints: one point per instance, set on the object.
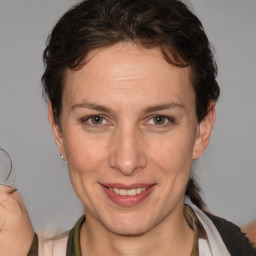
(160, 120)
(94, 120)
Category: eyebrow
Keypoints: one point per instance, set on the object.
(149, 109)
(164, 106)
(92, 106)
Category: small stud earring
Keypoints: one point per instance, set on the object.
(61, 156)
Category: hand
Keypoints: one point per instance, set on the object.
(16, 232)
(250, 232)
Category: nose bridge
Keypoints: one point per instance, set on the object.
(127, 150)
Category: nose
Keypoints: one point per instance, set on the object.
(127, 154)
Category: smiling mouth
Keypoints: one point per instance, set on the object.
(128, 195)
(128, 192)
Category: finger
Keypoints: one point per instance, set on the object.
(11, 201)
(6, 192)
(7, 189)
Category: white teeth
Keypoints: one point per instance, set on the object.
(139, 190)
(123, 192)
(128, 192)
(132, 192)
(116, 190)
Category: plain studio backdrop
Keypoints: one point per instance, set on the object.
(227, 170)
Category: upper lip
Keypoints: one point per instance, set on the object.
(127, 186)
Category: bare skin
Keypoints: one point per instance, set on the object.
(16, 231)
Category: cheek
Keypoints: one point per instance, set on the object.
(86, 164)
(171, 162)
(173, 153)
(84, 154)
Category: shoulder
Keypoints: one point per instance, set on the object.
(236, 241)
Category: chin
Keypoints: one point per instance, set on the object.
(129, 225)
(128, 230)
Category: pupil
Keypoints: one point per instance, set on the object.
(97, 119)
(159, 119)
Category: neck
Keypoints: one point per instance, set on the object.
(173, 236)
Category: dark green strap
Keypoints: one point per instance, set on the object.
(34, 247)
(73, 246)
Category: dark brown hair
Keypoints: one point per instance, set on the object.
(167, 24)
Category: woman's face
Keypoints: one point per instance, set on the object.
(129, 135)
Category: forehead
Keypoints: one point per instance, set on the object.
(130, 74)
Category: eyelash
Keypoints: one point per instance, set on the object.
(170, 120)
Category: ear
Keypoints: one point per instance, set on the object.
(204, 131)
(57, 134)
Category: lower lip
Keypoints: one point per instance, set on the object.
(128, 200)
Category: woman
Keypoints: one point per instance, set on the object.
(131, 94)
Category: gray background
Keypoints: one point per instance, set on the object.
(226, 172)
